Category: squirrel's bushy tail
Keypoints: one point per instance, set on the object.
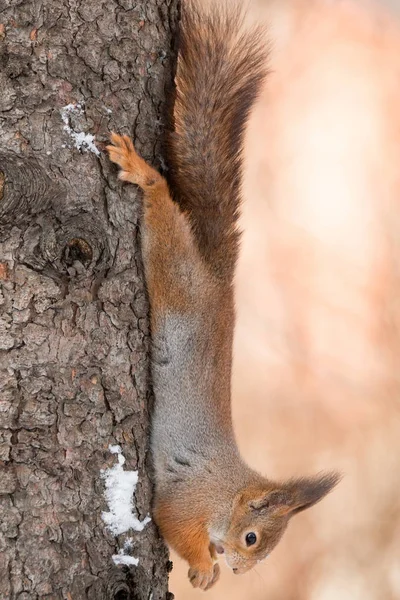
(221, 67)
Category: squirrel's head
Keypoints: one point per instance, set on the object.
(261, 514)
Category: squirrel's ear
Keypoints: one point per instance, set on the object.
(296, 495)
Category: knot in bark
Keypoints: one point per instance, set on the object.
(25, 189)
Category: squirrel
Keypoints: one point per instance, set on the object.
(207, 500)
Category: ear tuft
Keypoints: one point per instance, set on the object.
(306, 491)
(295, 495)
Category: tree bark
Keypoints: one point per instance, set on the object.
(74, 335)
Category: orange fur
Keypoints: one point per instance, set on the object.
(190, 538)
(172, 238)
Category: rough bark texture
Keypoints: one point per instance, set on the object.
(74, 336)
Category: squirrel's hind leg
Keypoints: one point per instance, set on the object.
(133, 168)
(175, 274)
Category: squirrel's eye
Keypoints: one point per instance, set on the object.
(251, 538)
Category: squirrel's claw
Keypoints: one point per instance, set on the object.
(133, 168)
(204, 579)
(121, 153)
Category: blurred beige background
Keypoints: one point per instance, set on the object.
(317, 352)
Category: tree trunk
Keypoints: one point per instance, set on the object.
(74, 336)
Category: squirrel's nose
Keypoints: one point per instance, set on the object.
(235, 570)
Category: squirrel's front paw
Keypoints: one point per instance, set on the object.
(204, 578)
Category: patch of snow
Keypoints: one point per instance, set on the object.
(128, 544)
(123, 559)
(83, 141)
(120, 486)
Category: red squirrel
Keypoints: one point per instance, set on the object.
(207, 500)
